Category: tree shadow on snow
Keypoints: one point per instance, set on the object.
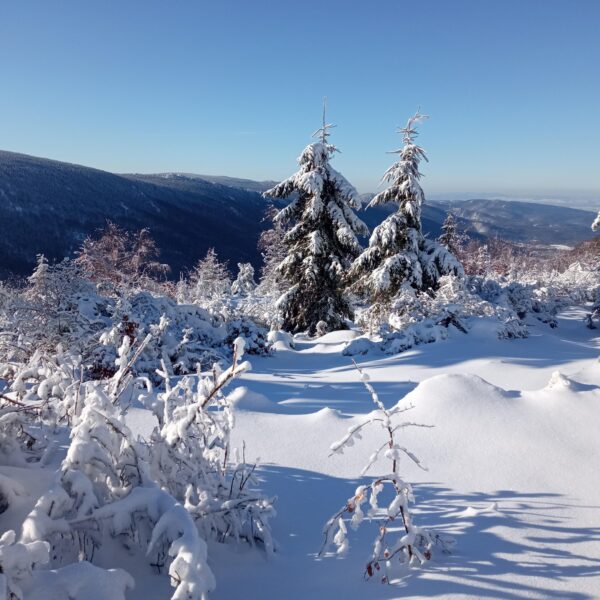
(528, 548)
(521, 549)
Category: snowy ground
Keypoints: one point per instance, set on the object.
(512, 467)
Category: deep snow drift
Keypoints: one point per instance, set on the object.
(512, 467)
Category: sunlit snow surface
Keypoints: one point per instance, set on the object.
(513, 467)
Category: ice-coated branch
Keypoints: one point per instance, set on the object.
(415, 544)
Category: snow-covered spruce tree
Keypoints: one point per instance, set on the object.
(399, 542)
(398, 254)
(258, 302)
(596, 223)
(478, 259)
(244, 283)
(209, 282)
(451, 238)
(47, 312)
(321, 242)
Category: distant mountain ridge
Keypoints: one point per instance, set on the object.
(524, 221)
(49, 207)
(188, 181)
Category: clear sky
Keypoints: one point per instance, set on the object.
(235, 87)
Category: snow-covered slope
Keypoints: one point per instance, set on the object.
(531, 222)
(189, 180)
(524, 221)
(49, 207)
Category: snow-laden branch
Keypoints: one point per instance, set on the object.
(415, 545)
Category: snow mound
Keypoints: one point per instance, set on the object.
(457, 390)
(333, 342)
(324, 414)
(280, 340)
(244, 399)
(475, 512)
(338, 337)
(558, 381)
(360, 345)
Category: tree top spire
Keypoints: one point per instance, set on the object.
(409, 131)
(323, 131)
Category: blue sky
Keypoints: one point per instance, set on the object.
(235, 87)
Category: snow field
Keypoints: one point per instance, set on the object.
(512, 471)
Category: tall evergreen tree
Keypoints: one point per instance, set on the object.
(321, 241)
(398, 254)
(452, 239)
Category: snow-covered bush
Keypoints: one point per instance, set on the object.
(165, 496)
(17, 561)
(415, 318)
(60, 312)
(534, 281)
(577, 284)
(255, 337)
(47, 384)
(190, 336)
(392, 550)
(57, 306)
(244, 283)
(31, 405)
(524, 299)
(173, 538)
(16, 439)
(119, 261)
(192, 457)
(10, 491)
